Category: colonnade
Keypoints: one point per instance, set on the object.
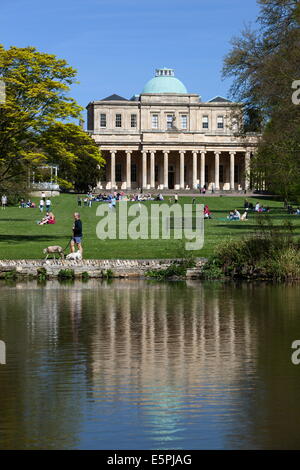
(148, 158)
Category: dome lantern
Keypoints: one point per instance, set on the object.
(164, 81)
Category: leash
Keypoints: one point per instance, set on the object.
(68, 244)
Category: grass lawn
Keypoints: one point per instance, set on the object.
(22, 238)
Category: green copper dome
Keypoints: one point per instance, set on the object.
(164, 82)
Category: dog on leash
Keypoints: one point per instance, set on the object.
(74, 256)
(52, 250)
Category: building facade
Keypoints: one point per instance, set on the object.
(167, 138)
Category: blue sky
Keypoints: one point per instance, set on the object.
(116, 44)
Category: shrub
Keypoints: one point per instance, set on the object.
(270, 253)
(108, 274)
(176, 269)
(212, 270)
(10, 275)
(42, 274)
(85, 276)
(66, 274)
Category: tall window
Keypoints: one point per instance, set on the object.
(154, 121)
(170, 121)
(133, 120)
(118, 172)
(220, 122)
(236, 173)
(118, 120)
(221, 174)
(205, 122)
(103, 173)
(133, 173)
(183, 121)
(102, 120)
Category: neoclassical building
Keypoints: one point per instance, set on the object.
(167, 138)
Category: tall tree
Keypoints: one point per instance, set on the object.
(37, 86)
(75, 152)
(264, 63)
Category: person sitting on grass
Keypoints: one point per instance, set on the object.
(245, 215)
(44, 220)
(51, 219)
(48, 219)
(207, 213)
(234, 215)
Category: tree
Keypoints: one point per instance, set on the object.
(264, 63)
(37, 86)
(75, 152)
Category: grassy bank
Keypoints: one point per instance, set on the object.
(271, 253)
(22, 238)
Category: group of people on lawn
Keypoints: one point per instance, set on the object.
(117, 196)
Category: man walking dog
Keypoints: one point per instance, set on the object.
(77, 234)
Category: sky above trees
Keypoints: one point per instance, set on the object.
(116, 44)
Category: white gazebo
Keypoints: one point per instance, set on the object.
(47, 186)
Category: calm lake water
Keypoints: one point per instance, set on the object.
(143, 365)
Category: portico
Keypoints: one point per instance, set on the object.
(159, 169)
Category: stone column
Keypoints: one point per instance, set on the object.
(232, 158)
(202, 169)
(113, 168)
(128, 169)
(144, 170)
(152, 169)
(217, 171)
(247, 170)
(166, 169)
(195, 166)
(182, 152)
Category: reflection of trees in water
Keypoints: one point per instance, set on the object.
(274, 408)
(40, 399)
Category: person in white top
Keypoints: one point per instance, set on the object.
(4, 201)
(42, 204)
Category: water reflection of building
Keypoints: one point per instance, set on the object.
(161, 325)
(177, 349)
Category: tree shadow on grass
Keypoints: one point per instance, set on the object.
(11, 239)
(251, 227)
(15, 220)
(239, 226)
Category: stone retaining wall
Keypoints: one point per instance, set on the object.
(94, 268)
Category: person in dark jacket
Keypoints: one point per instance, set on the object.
(77, 234)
